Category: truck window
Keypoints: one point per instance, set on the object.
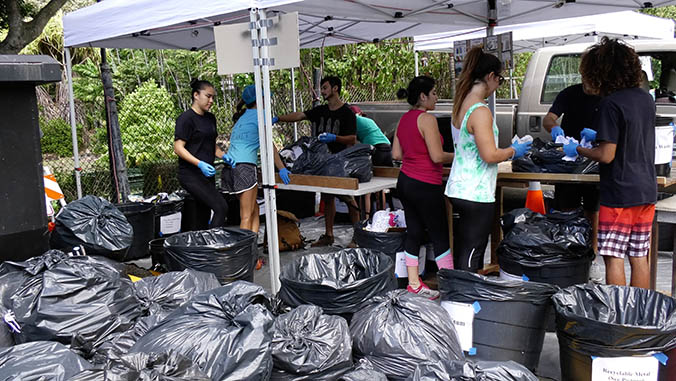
(561, 73)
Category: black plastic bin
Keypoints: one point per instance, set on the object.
(339, 282)
(613, 321)
(165, 210)
(563, 274)
(228, 253)
(389, 243)
(141, 216)
(156, 249)
(510, 322)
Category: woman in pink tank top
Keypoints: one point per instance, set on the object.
(418, 144)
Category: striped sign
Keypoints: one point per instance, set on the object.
(52, 188)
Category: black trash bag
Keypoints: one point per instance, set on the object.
(533, 239)
(306, 156)
(339, 282)
(398, 330)
(40, 360)
(457, 285)
(78, 301)
(389, 243)
(10, 281)
(364, 371)
(550, 159)
(357, 162)
(308, 345)
(228, 253)
(94, 223)
(145, 367)
(225, 331)
(158, 297)
(615, 321)
(525, 164)
(470, 371)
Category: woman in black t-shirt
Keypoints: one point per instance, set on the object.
(195, 145)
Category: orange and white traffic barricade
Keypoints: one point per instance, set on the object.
(53, 192)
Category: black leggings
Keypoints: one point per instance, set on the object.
(471, 233)
(425, 211)
(207, 198)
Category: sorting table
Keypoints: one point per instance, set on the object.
(507, 178)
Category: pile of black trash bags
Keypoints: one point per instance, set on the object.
(79, 318)
(547, 158)
(309, 156)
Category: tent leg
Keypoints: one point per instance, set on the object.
(491, 98)
(262, 80)
(73, 125)
(417, 69)
(293, 97)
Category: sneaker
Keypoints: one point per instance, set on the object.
(324, 240)
(424, 291)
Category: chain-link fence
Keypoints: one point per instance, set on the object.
(152, 89)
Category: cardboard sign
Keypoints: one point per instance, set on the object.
(624, 368)
(462, 316)
(170, 223)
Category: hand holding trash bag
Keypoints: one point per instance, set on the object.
(327, 137)
(588, 134)
(556, 132)
(206, 168)
(570, 149)
(520, 149)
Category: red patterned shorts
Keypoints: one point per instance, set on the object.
(625, 231)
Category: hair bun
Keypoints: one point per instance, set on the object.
(194, 82)
(402, 93)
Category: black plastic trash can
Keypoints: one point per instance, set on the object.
(613, 321)
(228, 253)
(141, 216)
(389, 243)
(509, 316)
(168, 217)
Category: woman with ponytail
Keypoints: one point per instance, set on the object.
(240, 176)
(471, 185)
(195, 145)
(418, 144)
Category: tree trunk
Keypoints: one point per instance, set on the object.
(118, 168)
(20, 33)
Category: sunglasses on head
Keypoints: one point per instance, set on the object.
(501, 79)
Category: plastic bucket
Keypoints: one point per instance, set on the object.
(599, 321)
(141, 216)
(156, 249)
(509, 316)
(389, 243)
(664, 145)
(168, 216)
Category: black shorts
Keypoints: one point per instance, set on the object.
(382, 155)
(239, 179)
(572, 196)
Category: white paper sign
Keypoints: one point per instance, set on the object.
(624, 369)
(664, 143)
(170, 223)
(462, 316)
(400, 263)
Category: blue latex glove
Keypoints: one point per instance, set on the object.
(275, 120)
(588, 134)
(206, 168)
(557, 131)
(520, 149)
(229, 160)
(284, 175)
(327, 138)
(570, 149)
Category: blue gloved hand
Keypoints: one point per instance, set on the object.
(229, 160)
(284, 175)
(520, 149)
(327, 137)
(557, 131)
(570, 149)
(588, 134)
(275, 120)
(206, 168)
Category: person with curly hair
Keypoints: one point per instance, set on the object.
(625, 125)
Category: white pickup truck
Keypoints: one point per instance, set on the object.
(550, 70)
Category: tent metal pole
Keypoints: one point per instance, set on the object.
(293, 98)
(262, 80)
(491, 98)
(73, 124)
(512, 93)
(417, 69)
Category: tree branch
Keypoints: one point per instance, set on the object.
(21, 33)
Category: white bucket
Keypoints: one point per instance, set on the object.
(664, 143)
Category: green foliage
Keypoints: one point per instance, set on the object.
(57, 137)
(147, 118)
(26, 8)
(668, 12)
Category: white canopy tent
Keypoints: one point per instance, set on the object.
(188, 24)
(535, 35)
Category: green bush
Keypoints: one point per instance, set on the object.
(57, 137)
(147, 119)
